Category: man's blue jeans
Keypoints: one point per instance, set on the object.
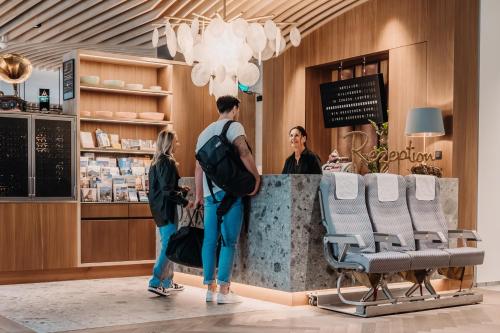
(163, 271)
(230, 228)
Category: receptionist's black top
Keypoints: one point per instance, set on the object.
(308, 163)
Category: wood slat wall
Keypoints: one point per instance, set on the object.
(194, 109)
(432, 61)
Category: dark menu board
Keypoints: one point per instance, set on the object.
(14, 168)
(69, 79)
(53, 158)
(354, 101)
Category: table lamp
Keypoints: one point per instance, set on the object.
(424, 122)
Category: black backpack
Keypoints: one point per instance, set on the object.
(223, 167)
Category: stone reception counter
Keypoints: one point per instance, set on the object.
(280, 246)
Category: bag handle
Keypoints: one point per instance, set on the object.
(193, 218)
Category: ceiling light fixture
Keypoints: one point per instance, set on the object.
(221, 50)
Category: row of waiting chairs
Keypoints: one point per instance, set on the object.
(379, 225)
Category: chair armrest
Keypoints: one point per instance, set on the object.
(392, 239)
(434, 236)
(351, 239)
(469, 235)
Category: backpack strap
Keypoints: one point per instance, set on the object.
(223, 134)
(211, 188)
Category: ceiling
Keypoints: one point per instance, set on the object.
(43, 30)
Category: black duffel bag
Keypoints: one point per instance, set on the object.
(184, 246)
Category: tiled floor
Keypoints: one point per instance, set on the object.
(123, 305)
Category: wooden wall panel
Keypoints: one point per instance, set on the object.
(59, 234)
(27, 241)
(465, 109)
(426, 33)
(194, 109)
(8, 218)
(404, 63)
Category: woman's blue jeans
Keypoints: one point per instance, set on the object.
(163, 271)
(230, 228)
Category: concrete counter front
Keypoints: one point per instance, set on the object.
(281, 247)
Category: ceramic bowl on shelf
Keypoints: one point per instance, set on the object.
(151, 115)
(85, 114)
(155, 88)
(134, 86)
(125, 115)
(114, 83)
(89, 79)
(103, 114)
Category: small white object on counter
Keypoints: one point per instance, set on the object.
(155, 88)
(134, 86)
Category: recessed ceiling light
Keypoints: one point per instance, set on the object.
(37, 25)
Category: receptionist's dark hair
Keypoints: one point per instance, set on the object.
(227, 103)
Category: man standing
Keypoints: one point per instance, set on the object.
(228, 107)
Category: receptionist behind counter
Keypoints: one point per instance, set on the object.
(302, 160)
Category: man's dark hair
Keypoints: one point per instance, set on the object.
(227, 103)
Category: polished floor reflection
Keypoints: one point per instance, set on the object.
(123, 305)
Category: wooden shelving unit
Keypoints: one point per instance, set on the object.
(143, 92)
(115, 232)
(117, 151)
(139, 122)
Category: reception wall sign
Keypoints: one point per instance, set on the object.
(354, 101)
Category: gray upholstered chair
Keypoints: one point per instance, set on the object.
(427, 215)
(393, 217)
(350, 243)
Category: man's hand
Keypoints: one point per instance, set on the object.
(256, 188)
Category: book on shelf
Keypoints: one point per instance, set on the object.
(145, 182)
(114, 171)
(89, 156)
(138, 170)
(120, 192)
(89, 195)
(143, 196)
(86, 140)
(83, 172)
(93, 170)
(115, 141)
(103, 161)
(104, 193)
(102, 139)
(84, 161)
(85, 182)
(132, 195)
(124, 163)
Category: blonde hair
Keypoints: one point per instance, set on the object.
(164, 145)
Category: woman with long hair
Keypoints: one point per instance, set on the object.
(302, 160)
(165, 195)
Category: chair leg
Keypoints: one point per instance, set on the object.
(412, 290)
(429, 287)
(386, 290)
(368, 294)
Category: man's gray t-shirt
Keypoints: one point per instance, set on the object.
(235, 130)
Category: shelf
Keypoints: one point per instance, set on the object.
(143, 122)
(117, 151)
(114, 203)
(143, 92)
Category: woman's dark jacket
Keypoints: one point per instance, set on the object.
(164, 191)
(308, 163)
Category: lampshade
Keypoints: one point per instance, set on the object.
(424, 122)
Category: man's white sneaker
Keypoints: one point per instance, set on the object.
(229, 298)
(210, 296)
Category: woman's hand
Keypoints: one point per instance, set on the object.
(199, 202)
